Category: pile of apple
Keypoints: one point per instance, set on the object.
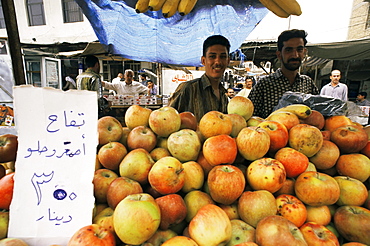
(163, 178)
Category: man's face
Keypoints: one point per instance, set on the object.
(230, 93)
(216, 61)
(128, 77)
(335, 77)
(360, 97)
(292, 54)
(248, 83)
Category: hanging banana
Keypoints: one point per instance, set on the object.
(186, 6)
(155, 5)
(141, 6)
(169, 8)
(283, 8)
(274, 8)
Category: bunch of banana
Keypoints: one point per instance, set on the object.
(283, 8)
(168, 7)
(301, 110)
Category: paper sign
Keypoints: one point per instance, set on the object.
(53, 191)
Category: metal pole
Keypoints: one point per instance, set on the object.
(14, 41)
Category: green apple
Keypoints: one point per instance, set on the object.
(160, 236)
(241, 232)
(194, 200)
(4, 223)
(12, 241)
(184, 145)
(352, 191)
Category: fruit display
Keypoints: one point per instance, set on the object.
(294, 178)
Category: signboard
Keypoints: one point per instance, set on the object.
(172, 78)
(53, 191)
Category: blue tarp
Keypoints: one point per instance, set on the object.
(176, 40)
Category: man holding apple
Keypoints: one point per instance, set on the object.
(266, 94)
(206, 93)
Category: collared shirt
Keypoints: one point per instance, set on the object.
(197, 96)
(124, 89)
(266, 94)
(339, 91)
(153, 91)
(365, 102)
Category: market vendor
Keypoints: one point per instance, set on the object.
(206, 93)
(128, 86)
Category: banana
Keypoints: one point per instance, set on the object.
(141, 6)
(155, 5)
(301, 110)
(275, 8)
(169, 8)
(290, 6)
(186, 6)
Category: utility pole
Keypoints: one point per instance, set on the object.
(14, 41)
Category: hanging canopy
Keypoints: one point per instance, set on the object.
(176, 40)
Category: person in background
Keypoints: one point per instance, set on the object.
(70, 84)
(291, 51)
(128, 86)
(247, 89)
(116, 80)
(230, 93)
(335, 88)
(144, 79)
(152, 88)
(361, 99)
(206, 93)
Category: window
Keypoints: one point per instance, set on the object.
(71, 11)
(2, 19)
(36, 15)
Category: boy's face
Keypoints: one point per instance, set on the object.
(216, 61)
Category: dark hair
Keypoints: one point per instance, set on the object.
(90, 61)
(362, 93)
(289, 34)
(143, 75)
(213, 40)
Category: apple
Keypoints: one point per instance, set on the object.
(231, 210)
(326, 134)
(92, 235)
(180, 240)
(159, 152)
(293, 161)
(242, 106)
(164, 121)
(194, 201)
(167, 175)
(188, 121)
(316, 234)
(319, 214)
(306, 139)
(278, 135)
(202, 161)
(238, 123)
(2, 171)
(288, 119)
(327, 156)
(101, 181)
(215, 123)
(226, 183)
(316, 189)
(105, 219)
(6, 190)
(287, 188)
(352, 191)
(256, 205)
(220, 149)
(98, 207)
(136, 218)
(159, 237)
(314, 119)
(136, 165)
(125, 132)
(353, 223)
(266, 174)
(241, 232)
(184, 145)
(10, 241)
(335, 121)
(246, 244)
(8, 147)
(354, 165)
(311, 167)
(253, 142)
(136, 115)
(121, 187)
(276, 230)
(291, 208)
(4, 223)
(162, 142)
(141, 137)
(173, 210)
(210, 226)
(349, 139)
(194, 176)
(367, 202)
(111, 154)
(109, 130)
(364, 151)
(353, 244)
(254, 121)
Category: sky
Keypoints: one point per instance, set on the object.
(325, 21)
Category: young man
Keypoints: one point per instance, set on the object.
(206, 93)
(335, 88)
(248, 87)
(361, 99)
(266, 94)
(152, 88)
(127, 87)
(230, 93)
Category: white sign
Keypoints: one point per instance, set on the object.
(172, 78)
(57, 138)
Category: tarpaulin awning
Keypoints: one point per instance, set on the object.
(176, 40)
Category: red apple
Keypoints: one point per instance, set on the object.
(242, 106)
(319, 214)
(293, 161)
(136, 115)
(317, 189)
(194, 176)
(121, 187)
(352, 191)
(173, 210)
(8, 147)
(287, 188)
(164, 121)
(92, 235)
(354, 165)
(288, 119)
(220, 149)
(102, 179)
(202, 161)
(226, 183)
(6, 190)
(266, 174)
(327, 156)
(105, 219)
(241, 232)
(141, 137)
(253, 142)
(333, 122)
(316, 234)
(326, 134)
(188, 121)
(291, 208)
(314, 119)
(306, 139)
(125, 132)
(215, 123)
(194, 201)
(278, 135)
(109, 130)
(238, 124)
(349, 139)
(353, 244)
(111, 154)
(366, 150)
(184, 145)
